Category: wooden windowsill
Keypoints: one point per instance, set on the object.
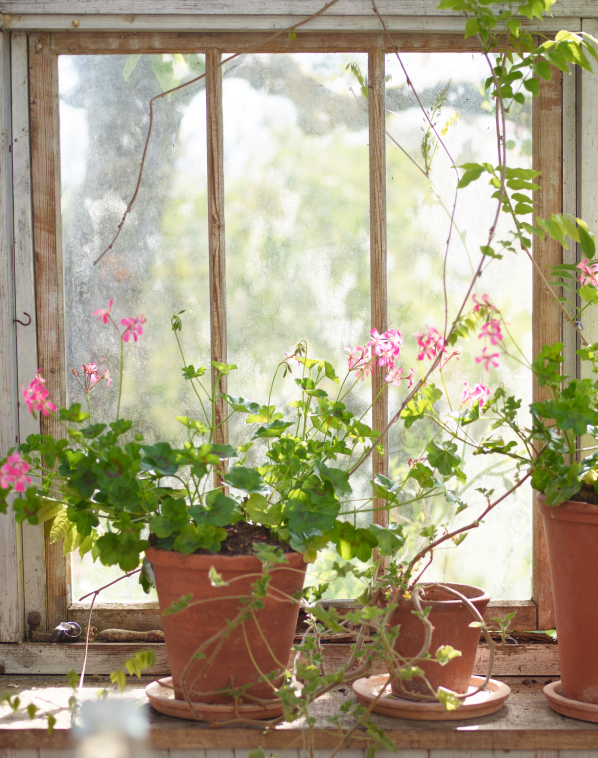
(525, 722)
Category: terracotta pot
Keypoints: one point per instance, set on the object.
(572, 538)
(177, 575)
(450, 618)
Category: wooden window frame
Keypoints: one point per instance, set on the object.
(30, 164)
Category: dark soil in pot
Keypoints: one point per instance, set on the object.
(247, 650)
(450, 618)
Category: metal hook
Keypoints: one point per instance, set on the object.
(18, 321)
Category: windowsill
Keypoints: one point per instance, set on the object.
(525, 722)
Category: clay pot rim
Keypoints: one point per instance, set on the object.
(454, 603)
(567, 510)
(171, 558)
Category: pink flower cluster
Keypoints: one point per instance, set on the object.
(491, 330)
(13, 473)
(383, 349)
(430, 344)
(480, 393)
(37, 396)
(133, 326)
(91, 377)
(588, 273)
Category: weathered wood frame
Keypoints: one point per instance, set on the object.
(43, 226)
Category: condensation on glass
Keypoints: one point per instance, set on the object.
(297, 247)
(421, 189)
(159, 264)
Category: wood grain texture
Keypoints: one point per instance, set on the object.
(257, 23)
(378, 264)
(34, 566)
(118, 616)
(570, 340)
(525, 726)
(546, 315)
(147, 616)
(582, 8)
(132, 42)
(45, 173)
(216, 239)
(11, 625)
(588, 185)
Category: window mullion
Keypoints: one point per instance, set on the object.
(378, 286)
(216, 242)
(45, 177)
(34, 560)
(546, 318)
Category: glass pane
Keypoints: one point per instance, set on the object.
(158, 265)
(297, 226)
(497, 556)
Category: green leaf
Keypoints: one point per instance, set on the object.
(472, 27)
(220, 510)
(470, 175)
(352, 542)
(390, 539)
(448, 698)
(132, 61)
(216, 579)
(167, 69)
(446, 653)
(261, 512)
(275, 429)
(201, 537)
(443, 458)
(190, 372)
(119, 678)
(307, 516)
(60, 526)
(257, 753)
(179, 605)
(160, 458)
(246, 479)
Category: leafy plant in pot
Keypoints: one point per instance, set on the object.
(228, 544)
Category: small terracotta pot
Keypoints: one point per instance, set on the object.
(572, 538)
(450, 618)
(177, 575)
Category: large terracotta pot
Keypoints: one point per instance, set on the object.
(450, 618)
(177, 575)
(572, 539)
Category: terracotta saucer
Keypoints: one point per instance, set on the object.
(482, 704)
(161, 696)
(575, 709)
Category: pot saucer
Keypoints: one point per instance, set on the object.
(481, 704)
(161, 696)
(575, 709)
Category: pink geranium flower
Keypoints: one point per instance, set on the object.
(36, 396)
(484, 304)
(492, 330)
(588, 273)
(104, 313)
(359, 360)
(91, 377)
(480, 393)
(13, 473)
(396, 375)
(387, 346)
(430, 344)
(133, 327)
(488, 359)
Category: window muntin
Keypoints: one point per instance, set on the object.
(199, 209)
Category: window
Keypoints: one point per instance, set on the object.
(36, 53)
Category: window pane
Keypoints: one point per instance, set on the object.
(297, 227)
(497, 556)
(159, 263)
